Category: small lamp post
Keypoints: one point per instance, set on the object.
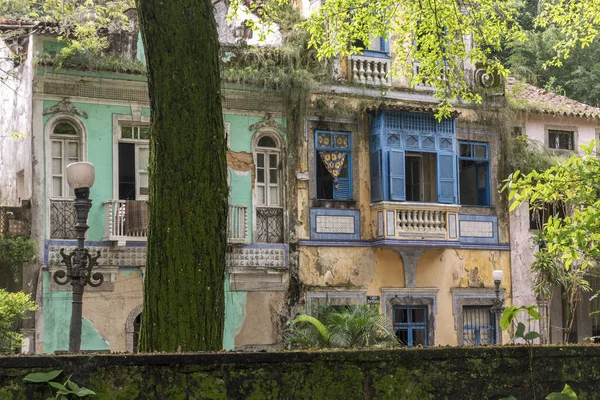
(498, 303)
(79, 263)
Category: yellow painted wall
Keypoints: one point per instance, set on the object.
(373, 268)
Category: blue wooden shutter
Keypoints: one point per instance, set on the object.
(376, 178)
(446, 178)
(396, 176)
(343, 189)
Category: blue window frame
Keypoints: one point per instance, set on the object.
(380, 47)
(410, 325)
(333, 165)
(474, 174)
(478, 326)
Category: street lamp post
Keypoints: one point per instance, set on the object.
(79, 263)
(498, 303)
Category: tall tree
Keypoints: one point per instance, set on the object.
(184, 284)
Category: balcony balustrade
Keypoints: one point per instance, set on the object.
(415, 221)
(127, 220)
(369, 70)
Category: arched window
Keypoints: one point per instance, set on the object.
(65, 149)
(268, 190)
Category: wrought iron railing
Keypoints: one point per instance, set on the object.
(269, 225)
(62, 219)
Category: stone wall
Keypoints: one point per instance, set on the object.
(431, 373)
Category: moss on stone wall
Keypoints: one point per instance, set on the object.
(415, 374)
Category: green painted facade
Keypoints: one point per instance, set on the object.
(99, 146)
(57, 318)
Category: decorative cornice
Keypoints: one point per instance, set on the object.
(65, 106)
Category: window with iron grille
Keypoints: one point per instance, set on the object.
(333, 159)
(561, 140)
(478, 326)
(410, 325)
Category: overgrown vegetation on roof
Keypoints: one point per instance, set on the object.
(85, 61)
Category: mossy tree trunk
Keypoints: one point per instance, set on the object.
(184, 283)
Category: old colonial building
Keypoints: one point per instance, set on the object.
(350, 193)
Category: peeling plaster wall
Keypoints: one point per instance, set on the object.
(15, 117)
(447, 269)
(105, 314)
(263, 326)
(235, 315)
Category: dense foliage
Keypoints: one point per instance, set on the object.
(354, 326)
(12, 307)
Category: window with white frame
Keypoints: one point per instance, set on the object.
(134, 155)
(65, 149)
(268, 173)
(268, 190)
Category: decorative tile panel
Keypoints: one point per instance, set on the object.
(380, 223)
(337, 224)
(258, 256)
(109, 256)
(478, 228)
(334, 224)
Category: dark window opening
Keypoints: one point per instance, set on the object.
(126, 171)
(266, 141)
(421, 177)
(410, 325)
(561, 140)
(136, 332)
(539, 217)
(64, 128)
(474, 174)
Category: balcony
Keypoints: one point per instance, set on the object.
(127, 220)
(415, 221)
(369, 70)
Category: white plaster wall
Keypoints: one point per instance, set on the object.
(521, 244)
(15, 117)
(521, 257)
(536, 123)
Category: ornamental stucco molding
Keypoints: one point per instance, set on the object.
(65, 106)
(267, 122)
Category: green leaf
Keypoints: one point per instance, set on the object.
(566, 394)
(38, 377)
(72, 385)
(507, 317)
(532, 335)
(520, 330)
(511, 397)
(59, 386)
(82, 392)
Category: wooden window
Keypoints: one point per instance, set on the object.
(65, 149)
